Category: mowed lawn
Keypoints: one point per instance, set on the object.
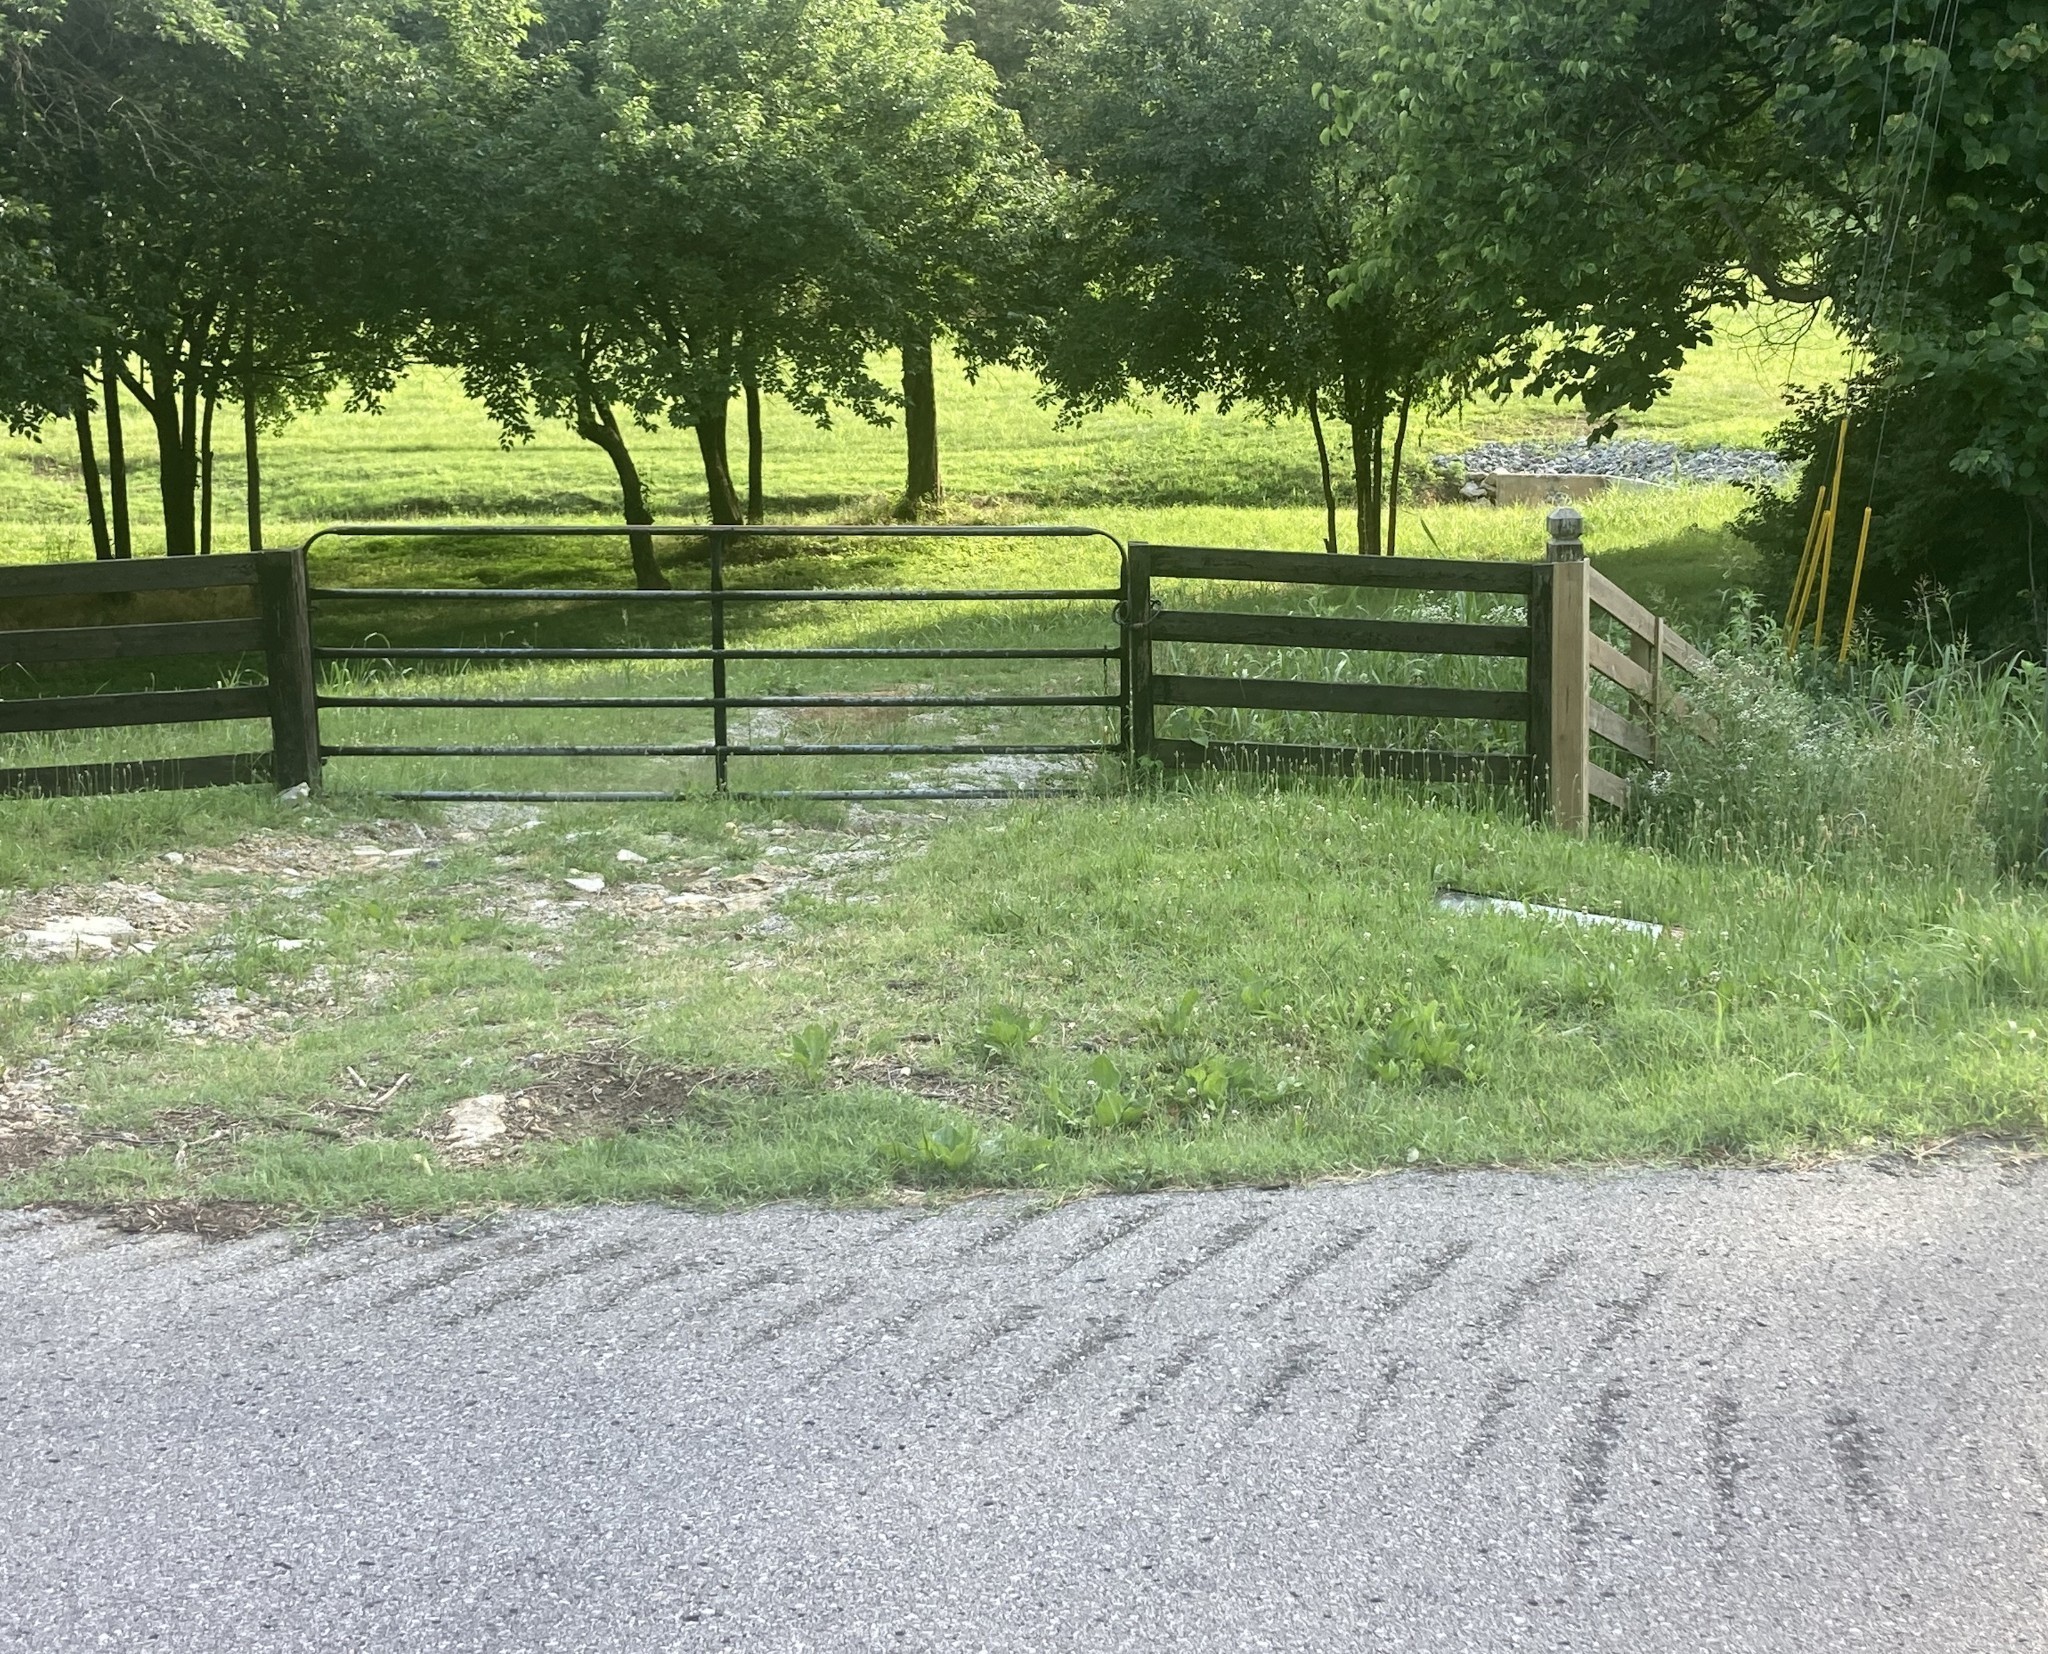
(723, 1002)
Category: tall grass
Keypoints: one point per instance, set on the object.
(1937, 763)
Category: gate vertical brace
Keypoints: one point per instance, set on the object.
(287, 619)
(1137, 651)
(719, 734)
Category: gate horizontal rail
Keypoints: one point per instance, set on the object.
(810, 795)
(838, 749)
(751, 594)
(514, 651)
(702, 703)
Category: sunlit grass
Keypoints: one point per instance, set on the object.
(433, 453)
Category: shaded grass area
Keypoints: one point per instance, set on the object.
(1262, 980)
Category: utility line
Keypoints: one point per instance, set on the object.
(1938, 79)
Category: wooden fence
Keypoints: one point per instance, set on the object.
(66, 615)
(1150, 626)
(1555, 638)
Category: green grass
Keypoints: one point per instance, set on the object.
(1342, 1020)
(1124, 989)
(1143, 467)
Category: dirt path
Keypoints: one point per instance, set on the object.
(1640, 1412)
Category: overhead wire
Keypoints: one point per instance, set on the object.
(1934, 98)
(1927, 104)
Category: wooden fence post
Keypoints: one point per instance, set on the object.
(1137, 629)
(1570, 622)
(1539, 685)
(288, 649)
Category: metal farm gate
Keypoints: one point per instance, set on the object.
(717, 602)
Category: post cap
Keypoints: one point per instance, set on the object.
(1567, 528)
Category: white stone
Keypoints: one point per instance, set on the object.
(589, 883)
(1464, 901)
(96, 931)
(631, 856)
(478, 1120)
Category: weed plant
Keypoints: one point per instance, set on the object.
(1937, 764)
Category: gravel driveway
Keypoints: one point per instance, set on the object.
(1644, 1412)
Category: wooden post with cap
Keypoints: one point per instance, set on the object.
(1570, 624)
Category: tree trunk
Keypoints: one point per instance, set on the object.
(1315, 424)
(756, 503)
(1394, 492)
(117, 455)
(89, 469)
(252, 468)
(722, 499)
(173, 410)
(920, 423)
(1365, 445)
(206, 478)
(595, 422)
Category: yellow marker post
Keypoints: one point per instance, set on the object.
(1812, 580)
(1835, 496)
(1855, 586)
(1796, 599)
(1797, 602)
(1827, 569)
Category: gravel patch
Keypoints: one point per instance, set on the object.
(1636, 460)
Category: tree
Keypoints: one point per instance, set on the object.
(209, 176)
(1939, 124)
(1007, 34)
(1610, 173)
(1211, 226)
(44, 332)
(717, 197)
(643, 231)
(1592, 180)
(961, 203)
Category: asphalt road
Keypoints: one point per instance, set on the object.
(1644, 1412)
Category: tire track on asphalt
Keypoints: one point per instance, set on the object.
(541, 1279)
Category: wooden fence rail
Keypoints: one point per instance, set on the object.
(278, 631)
(1555, 638)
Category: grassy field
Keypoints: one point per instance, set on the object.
(1140, 469)
(722, 1001)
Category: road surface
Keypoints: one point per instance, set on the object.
(1642, 1412)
